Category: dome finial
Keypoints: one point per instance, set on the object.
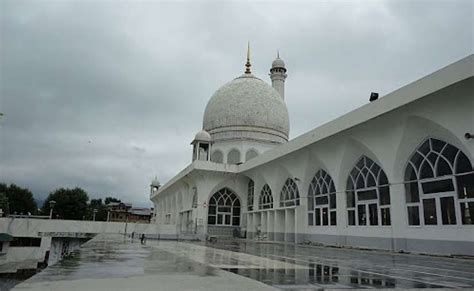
(248, 65)
(278, 54)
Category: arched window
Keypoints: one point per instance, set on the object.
(289, 195)
(233, 157)
(217, 157)
(250, 191)
(195, 198)
(250, 154)
(439, 185)
(368, 194)
(224, 208)
(265, 201)
(322, 200)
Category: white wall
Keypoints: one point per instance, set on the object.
(389, 140)
(46, 229)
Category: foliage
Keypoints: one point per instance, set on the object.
(70, 203)
(3, 202)
(20, 200)
(101, 214)
(108, 200)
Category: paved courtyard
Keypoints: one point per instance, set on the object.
(110, 263)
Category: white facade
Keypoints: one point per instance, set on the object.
(314, 179)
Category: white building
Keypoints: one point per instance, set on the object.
(394, 174)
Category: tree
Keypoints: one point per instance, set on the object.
(101, 214)
(20, 200)
(108, 200)
(70, 203)
(3, 202)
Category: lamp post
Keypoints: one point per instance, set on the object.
(95, 212)
(125, 231)
(51, 206)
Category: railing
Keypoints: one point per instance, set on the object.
(28, 216)
(219, 230)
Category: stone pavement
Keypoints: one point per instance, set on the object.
(109, 263)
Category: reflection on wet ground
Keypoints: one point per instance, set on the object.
(282, 266)
(118, 258)
(327, 267)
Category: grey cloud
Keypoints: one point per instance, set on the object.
(133, 78)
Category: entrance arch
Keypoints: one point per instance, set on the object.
(224, 208)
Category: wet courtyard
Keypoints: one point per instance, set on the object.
(112, 263)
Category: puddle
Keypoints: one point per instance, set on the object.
(327, 268)
(282, 266)
(100, 259)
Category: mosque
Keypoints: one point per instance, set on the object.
(395, 174)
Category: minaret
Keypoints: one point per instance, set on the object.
(278, 75)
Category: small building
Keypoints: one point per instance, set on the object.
(124, 212)
(140, 214)
(117, 211)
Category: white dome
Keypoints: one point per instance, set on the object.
(202, 136)
(247, 108)
(278, 63)
(155, 182)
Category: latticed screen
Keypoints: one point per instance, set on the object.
(322, 200)
(289, 195)
(439, 185)
(224, 208)
(266, 199)
(368, 194)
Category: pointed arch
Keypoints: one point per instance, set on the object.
(265, 201)
(289, 195)
(224, 208)
(368, 194)
(439, 185)
(415, 134)
(250, 194)
(194, 203)
(322, 200)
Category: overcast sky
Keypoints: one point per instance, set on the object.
(105, 95)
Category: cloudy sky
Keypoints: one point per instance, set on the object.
(105, 95)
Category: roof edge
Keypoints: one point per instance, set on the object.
(196, 165)
(444, 77)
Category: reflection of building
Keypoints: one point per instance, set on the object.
(394, 174)
(122, 212)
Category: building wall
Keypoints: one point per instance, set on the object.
(242, 146)
(178, 200)
(389, 140)
(54, 233)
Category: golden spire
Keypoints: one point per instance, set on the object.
(248, 65)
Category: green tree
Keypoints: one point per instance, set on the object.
(101, 214)
(108, 200)
(70, 203)
(20, 200)
(3, 202)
